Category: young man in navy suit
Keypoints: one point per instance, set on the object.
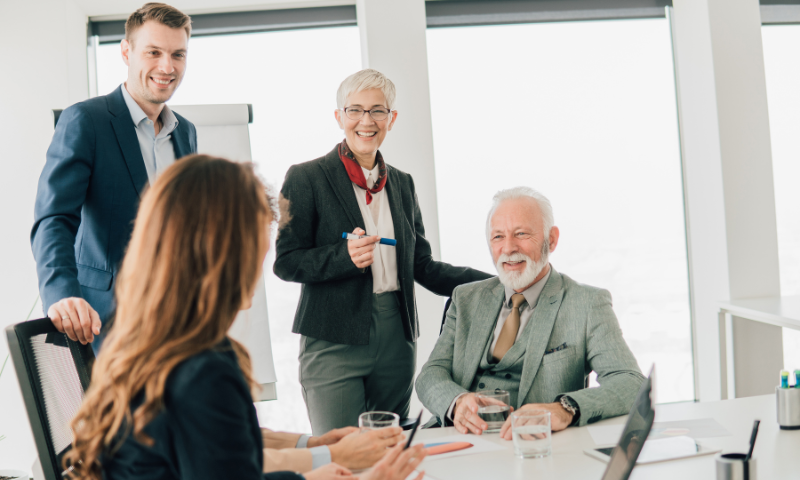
(104, 153)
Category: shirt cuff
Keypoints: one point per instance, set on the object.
(302, 442)
(320, 456)
(453, 407)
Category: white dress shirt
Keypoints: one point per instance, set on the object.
(378, 220)
(157, 150)
(531, 294)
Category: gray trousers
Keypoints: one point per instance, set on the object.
(342, 381)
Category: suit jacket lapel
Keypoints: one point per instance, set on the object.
(480, 330)
(542, 321)
(398, 218)
(337, 176)
(180, 140)
(126, 137)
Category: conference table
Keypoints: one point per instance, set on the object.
(776, 450)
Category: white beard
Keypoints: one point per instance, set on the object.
(523, 279)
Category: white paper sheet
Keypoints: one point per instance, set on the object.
(414, 475)
(479, 445)
(697, 428)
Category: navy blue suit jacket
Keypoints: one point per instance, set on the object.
(88, 197)
(207, 429)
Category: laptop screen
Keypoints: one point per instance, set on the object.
(640, 421)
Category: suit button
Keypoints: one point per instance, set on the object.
(492, 372)
(480, 385)
(508, 375)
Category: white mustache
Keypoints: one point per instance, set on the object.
(514, 257)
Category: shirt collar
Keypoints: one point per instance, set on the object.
(531, 293)
(371, 176)
(168, 119)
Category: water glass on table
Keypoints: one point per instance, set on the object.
(493, 408)
(376, 420)
(531, 432)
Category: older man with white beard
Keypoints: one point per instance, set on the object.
(531, 331)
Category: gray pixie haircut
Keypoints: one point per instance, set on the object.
(523, 192)
(365, 80)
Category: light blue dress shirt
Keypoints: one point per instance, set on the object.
(157, 150)
(320, 456)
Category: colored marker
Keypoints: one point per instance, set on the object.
(384, 241)
(797, 379)
(784, 379)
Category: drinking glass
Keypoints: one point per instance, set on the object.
(531, 432)
(493, 408)
(376, 420)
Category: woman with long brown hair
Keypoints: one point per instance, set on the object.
(171, 392)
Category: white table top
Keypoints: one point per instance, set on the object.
(780, 311)
(775, 450)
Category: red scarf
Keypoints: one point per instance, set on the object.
(356, 174)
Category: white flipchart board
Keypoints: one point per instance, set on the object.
(222, 131)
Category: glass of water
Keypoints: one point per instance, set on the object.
(531, 432)
(376, 420)
(493, 408)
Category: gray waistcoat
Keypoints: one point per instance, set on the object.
(506, 374)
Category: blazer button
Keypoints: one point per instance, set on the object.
(508, 375)
(480, 385)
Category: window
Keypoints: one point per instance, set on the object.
(291, 78)
(782, 70)
(584, 112)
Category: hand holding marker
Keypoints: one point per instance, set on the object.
(383, 241)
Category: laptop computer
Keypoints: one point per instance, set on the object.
(623, 456)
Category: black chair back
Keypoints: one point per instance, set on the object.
(53, 374)
(444, 315)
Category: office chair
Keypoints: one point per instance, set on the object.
(444, 315)
(53, 373)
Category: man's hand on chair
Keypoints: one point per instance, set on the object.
(75, 317)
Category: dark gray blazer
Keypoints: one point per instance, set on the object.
(335, 303)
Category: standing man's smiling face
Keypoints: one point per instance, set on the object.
(156, 59)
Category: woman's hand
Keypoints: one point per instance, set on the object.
(362, 449)
(398, 464)
(361, 250)
(330, 471)
(331, 437)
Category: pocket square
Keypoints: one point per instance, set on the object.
(556, 349)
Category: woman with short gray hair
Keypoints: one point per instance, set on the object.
(357, 312)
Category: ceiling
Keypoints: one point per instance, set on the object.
(120, 9)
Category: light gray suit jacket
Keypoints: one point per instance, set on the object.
(567, 312)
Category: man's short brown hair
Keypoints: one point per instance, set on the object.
(158, 12)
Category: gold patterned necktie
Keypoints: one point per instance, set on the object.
(508, 334)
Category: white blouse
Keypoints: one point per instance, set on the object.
(378, 220)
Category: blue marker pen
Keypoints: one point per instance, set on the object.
(383, 241)
(797, 379)
(784, 379)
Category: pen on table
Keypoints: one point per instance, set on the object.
(784, 379)
(414, 428)
(384, 241)
(750, 452)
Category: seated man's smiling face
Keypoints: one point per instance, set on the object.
(520, 249)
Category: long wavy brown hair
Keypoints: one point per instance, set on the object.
(193, 262)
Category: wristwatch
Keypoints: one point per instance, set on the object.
(569, 405)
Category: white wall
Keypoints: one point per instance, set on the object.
(43, 47)
(732, 232)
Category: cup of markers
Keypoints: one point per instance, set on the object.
(788, 401)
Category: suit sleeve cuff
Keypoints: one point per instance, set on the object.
(302, 442)
(320, 456)
(450, 410)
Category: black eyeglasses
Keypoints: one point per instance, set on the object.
(377, 114)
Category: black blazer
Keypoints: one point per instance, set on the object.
(335, 302)
(208, 428)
